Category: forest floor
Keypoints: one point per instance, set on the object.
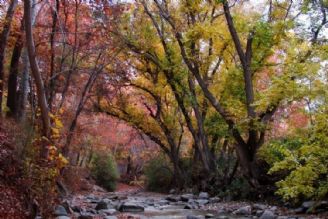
(12, 204)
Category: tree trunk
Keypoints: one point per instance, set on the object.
(247, 163)
(12, 100)
(24, 84)
(42, 101)
(3, 42)
(51, 88)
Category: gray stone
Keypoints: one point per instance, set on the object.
(163, 202)
(203, 195)
(107, 200)
(308, 204)
(63, 217)
(188, 206)
(108, 211)
(282, 217)
(215, 200)
(85, 217)
(246, 210)
(259, 207)
(186, 197)
(131, 207)
(298, 210)
(222, 217)
(101, 205)
(267, 214)
(60, 211)
(202, 201)
(173, 198)
(110, 217)
(274, 208)
(76, 209)
(172, 191)
(209, 216)
(259, 213)
(193, 217)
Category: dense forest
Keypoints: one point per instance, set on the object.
(225, 99)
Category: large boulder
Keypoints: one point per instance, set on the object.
(131, 207)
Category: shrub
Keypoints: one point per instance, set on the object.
(306, 164)
(159, 174)
(105, 172)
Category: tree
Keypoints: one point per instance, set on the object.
(195, 33)
(42, 101)
(3, 42)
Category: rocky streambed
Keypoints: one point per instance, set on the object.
(152, 205)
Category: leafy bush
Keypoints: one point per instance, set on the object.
(306, 164)
(105, 172)
(159, 174)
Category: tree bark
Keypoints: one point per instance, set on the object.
(12, 99)
(3, 42)
(51, 82)
(42, 101)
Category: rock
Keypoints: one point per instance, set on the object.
(202, 201)
(259, 207)
(274, 208)
(60, 211)
(173, 198)
(259, 213)
(215, 200)
(110, 217)
(282, 217)
(209, 216)
(85, 217)
(172, 191)
(108, 211)
(203, 195)
(131, 207)
(76, 209)
(193, 217)
(186, 197)
(222, 217)
(113, 197)
(101, 205)
(67, 207)
(268, 214)
(321, 207)
(308, 204)
(246, 210)
(63, 217)
(107, 200)
(163, 202)
(298, 210)
(188, 206)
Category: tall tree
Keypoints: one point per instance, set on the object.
(3, 42)
(42, 101)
